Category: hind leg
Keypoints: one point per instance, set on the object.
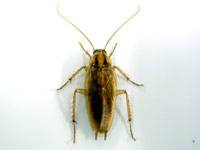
(120, 92)
(83, 92)
(105, 135)
(96, 135)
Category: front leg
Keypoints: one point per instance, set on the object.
(72, 76)
(126, 76)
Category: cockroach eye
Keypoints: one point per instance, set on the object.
(104, 51)
(95, 51)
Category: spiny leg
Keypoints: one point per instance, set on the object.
(96, 135)
(120, 92)
(85, 50)
(126, 76)
(113, 50)
(105, 135)
(72, 76)
(80, 91)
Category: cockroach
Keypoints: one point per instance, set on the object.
(100, 86)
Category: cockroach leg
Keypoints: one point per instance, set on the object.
(130, 126)
(120, 92)
(105, 135)
(80, 91)
(96, 135)
(72, 76)
(113, 50)
(74, 129)
(85, 50)
(125, 76)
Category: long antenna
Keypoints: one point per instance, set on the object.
(73, 25)
(138, 9)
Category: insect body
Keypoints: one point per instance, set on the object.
(100, 88)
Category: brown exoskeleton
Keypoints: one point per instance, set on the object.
(100, 87)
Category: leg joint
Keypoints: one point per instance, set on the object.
(74, 121)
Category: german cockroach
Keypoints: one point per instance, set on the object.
(100, 88)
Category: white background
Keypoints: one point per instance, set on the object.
(39, 51)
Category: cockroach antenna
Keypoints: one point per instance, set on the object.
(58, 11)
(125, 22)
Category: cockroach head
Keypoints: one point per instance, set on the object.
(100, 58)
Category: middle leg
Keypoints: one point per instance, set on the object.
(72, 76)
(126, 76)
